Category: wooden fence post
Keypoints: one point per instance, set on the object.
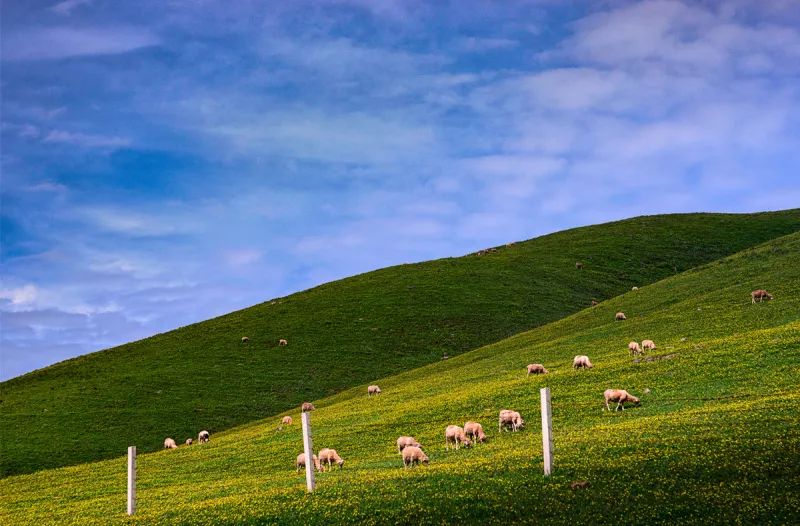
(131, 480)
(308, 449)
(547, 430)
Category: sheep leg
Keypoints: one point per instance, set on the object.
(617, 409)
(607, 408)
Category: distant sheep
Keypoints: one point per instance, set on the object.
(510, 419)
(620, 396)
(455, 436)
(404, 442)
(301, 462)
(759, 295)
(620, 316)
(283, 342)
(581, 362)
(189, 441)
(635, 349)
(413, 455)
(170, 444)
(307, 407)
(203, 437)
(648, 345)
(474, 431)
(330, 457)
(536, 368)
(579, 265)
(595, 303)
(286, 421)
(373, 390)
(634, 289)
(245, 339)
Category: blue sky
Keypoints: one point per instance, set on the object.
(168, 161)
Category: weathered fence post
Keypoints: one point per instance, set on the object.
(547, 430)
(308, 449)
(131, 480)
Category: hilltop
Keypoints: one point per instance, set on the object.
(344, 334)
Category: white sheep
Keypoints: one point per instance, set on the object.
(620, 396)
(170, 444)
(286, 421)
(759, 295)
(510, 419)
(329, 457)
(283, 342)
(648, 345)
(203, 437)
(189, 442)
(634, 348)
(245, 339)
(307, 406)
(581, 362)
(406, 441)
(373, 389)
(474, 431)
(620, 316)
(536, 368)
(413, 455)
(455, 436)
(301, 462)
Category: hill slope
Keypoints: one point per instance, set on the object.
(715, 439)
(342, 334)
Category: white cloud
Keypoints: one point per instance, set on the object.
(20, 296)
(85, 140)
(68, 6)
(245, 256)
(63, 42)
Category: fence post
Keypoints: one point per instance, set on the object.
(131, 480)
(308, 449)
(547, 430)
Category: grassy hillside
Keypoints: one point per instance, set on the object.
(715, 440)
(343, 334)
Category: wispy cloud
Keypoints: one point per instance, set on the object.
(85, 140)
(63, 42)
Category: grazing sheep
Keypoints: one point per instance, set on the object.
(203, 437)
(329, 457)
(456, 436)
(759, 295)
(634, 289)
(581, 362)
(286, 421)
(579, 265)
(245, 339)
(536, 368)
(404, 442)
(373, 390)
(620, 316)
(301, 462)
(283, 342)
(648, 345)
(189, 442)
(170, 444)
(634, 348)
(620, 396)
(510, 419)
(595, 303)
(474, 431)
(307, 406)
(413, 455)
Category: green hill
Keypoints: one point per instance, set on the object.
(343, 334)
(714, 441)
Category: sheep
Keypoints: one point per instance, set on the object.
(475, 431)
(620, 396)
(373, 390)
(635, 348)
(581, 362)
(759, 295)
(245, 339)
(579, 265)
(203, 437)
(283, 343)
(634, 289)
(329, 457)
(301, 462)
(413, 455)
(511, 419)
(620, 316)
(405, 441)
(286, 421)
(189, 442)
(648, 345)
(456, 436)
(595, 303)
(536, 368)
(307, 407)
(170, 444)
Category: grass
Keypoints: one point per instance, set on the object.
(715, 440)
(343, 334)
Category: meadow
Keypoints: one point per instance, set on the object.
(716, 439)
(343, 334)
